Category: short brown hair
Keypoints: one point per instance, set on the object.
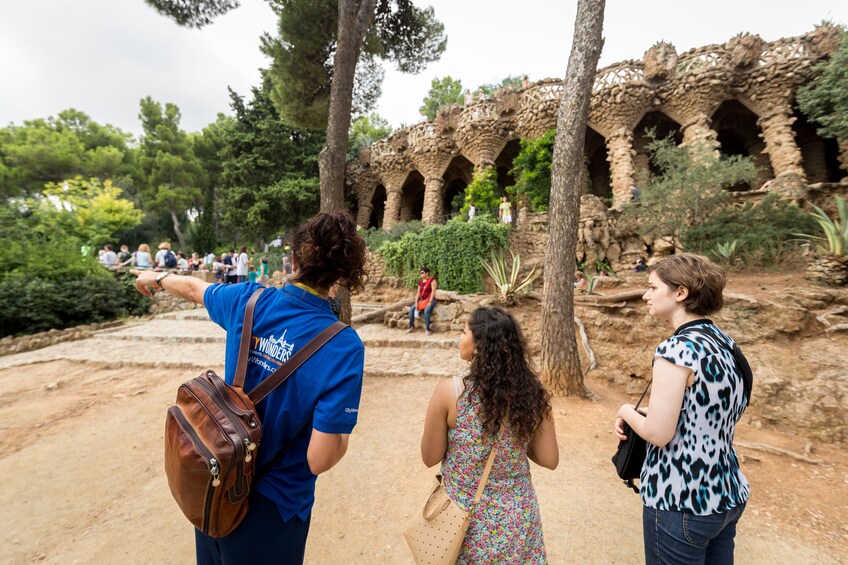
(701, 277)
(328, 249)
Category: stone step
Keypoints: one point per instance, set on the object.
(409, 362)
(164, 330)
(378, 335)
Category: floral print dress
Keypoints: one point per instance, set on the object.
(506, 526)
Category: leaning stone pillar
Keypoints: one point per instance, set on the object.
(784, 154)
(391, 214)
(620, 157)
(434, 193)
(363, 213)
(698, 132)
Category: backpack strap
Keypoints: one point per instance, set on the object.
(279, 376)
(244, 344)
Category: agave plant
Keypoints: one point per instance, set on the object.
(727, 251)
(508, 286)
(835, 230)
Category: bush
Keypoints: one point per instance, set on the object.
(763, 232)
(376, 237)
(34, 305)
(483, 191)
(452, 251)
(532, 171)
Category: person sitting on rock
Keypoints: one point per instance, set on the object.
(425, 300)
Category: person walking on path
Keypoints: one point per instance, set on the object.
(313, 413)
(425, 300)
(162, 255)
(691, 486)
(229, 266)
(500, 404)
(242, 265)
(108, 258)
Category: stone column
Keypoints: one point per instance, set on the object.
(784, 154)
(620, 157)
(757, 150)
(391, 213)
(843, 156)
(434, 192)
(783, 151)
(363, 213)
(698, 131)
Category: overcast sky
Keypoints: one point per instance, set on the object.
(103, 56)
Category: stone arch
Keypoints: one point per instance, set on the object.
(412, 198)
(503, 163)
(378, 207)
(457, 176)
(737, 133)
(597, 176)
(663, 126)
(820, 155)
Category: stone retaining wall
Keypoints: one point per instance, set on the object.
(9, 344)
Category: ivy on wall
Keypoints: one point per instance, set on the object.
(451, 251)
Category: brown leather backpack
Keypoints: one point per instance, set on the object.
(212, 435)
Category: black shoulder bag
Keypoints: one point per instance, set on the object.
(630, 455)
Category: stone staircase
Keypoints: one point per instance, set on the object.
(188, 340)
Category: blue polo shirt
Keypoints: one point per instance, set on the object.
(325, 390)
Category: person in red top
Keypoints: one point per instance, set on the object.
(425, 300)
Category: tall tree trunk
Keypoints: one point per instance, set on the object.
(355, 17)
(178, 231)
(560, 359)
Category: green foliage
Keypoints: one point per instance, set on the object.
(727, 251)
(452, 251)
(483, 191)
(34, 304)
(443, 92)
(174, 174)
(532, 171)
(193, 13)
(269, 177)
(490, 88)
(302, 54)
(825, 99)
(508, 286)
(364, 131)
(91, 211)
(376, 237)
(763, 232)
(835, 230)
(691, 186)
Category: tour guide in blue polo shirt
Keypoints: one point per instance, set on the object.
(315, 409)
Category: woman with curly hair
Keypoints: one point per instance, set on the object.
(499, 404)
(306, 421)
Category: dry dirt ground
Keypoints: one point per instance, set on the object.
(81, 461)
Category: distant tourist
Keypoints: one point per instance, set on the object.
(142, 258)
(242, 265)
(524, 82)
(124, 256)
(287, 266)
(108, 258)
(425, 300)
(692, 488)
(579, 280)
(472, 211)
(640, 267)
(263, 271)
(498, 406)
(182, 262)
(163, 256)
(230, 266)
(469, 98)
(505, 211)
(635, 194)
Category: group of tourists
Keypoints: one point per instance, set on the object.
(693, 492)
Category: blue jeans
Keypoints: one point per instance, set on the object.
(262, 538)
(682, 538)
(427, 311)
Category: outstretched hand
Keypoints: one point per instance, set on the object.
(146, 282)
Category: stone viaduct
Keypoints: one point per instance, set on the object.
(738, 96)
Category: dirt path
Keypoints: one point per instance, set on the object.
(81, 458)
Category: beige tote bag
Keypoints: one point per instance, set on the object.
(435, 537)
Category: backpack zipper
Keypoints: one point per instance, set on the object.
(248, 445)
(214, 468)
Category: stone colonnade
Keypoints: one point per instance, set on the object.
(687, 89)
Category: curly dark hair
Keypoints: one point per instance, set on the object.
(329, 250)
(501, 375)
